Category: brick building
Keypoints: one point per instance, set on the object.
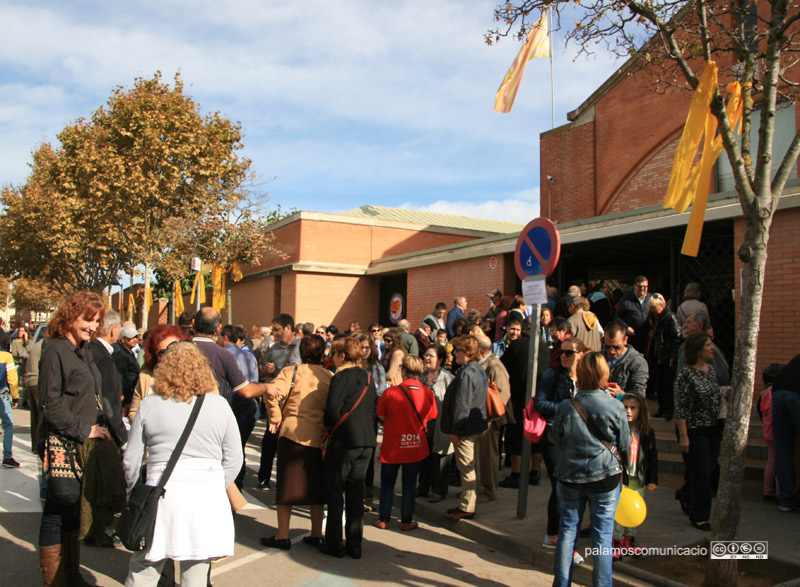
(604, 175)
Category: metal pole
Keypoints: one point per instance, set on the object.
(533, 358)
(552, 75)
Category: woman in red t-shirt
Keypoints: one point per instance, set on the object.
(405, 410)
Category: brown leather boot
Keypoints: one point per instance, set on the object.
(71, 553)
(51, 565)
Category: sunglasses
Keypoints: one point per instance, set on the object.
(160, 353)
(613, 347)
(568, 352)
(374, 330)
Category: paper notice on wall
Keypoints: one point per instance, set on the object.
(534, 290)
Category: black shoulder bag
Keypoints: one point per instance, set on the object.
(612, 448)
(138, 519)
(416, 411)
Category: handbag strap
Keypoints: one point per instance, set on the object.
(590, 424)
(291, 388)
(416, 411)
(176, 453)
(355, 405)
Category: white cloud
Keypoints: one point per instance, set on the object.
(521, 207)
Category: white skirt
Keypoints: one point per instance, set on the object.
(194, 520)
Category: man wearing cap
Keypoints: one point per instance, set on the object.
(127, 365)
(495, 295)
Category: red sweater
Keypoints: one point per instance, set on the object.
(404, 438)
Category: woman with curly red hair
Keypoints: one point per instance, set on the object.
(156, 343)
(69, 385)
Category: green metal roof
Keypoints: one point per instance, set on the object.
(434, 219)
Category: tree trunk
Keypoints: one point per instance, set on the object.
(727, 508)
(228, 305)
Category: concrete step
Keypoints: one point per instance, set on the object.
(757, 450)
(671, 463)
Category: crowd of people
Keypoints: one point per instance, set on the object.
(108, 403)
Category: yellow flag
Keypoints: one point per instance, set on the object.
(131, 302)
(177, 296)
(218, 279)
(199, 288)
(148, 299)
(536, 45)
(236, 271)
(690, 184)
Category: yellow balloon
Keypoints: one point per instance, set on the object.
(631, 509)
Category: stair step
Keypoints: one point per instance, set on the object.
(673, 463)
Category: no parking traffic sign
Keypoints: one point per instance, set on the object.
(538, 249)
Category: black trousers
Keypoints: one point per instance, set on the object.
(434, 476)
(345, 469)
(269, 447)
(665, 378)
(701, 462)
(550, 454)
(245, 411)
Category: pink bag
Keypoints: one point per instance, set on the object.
(534, 425)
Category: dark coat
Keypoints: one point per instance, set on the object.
(111, 391)
(631, 312)
(666, 337)
(357, 430)
(128, 368)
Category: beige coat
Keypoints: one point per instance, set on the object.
(302, 416)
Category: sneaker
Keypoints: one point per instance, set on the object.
(533, 478)
(617, 544)
(550, 542)
(10, 463)
(510, 482)
(576, 559)
(781, 508)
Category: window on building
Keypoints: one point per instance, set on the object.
(784, 133)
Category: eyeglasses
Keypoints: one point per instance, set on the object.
(567, 352)
(374, 330)
(161, 352)
(613, 347)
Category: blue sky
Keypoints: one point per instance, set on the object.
(344, 103)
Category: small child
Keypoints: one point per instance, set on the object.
(642, 466)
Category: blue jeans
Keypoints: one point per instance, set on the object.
(785, 429)
(8, 425)
(388, 478)
(571, 504)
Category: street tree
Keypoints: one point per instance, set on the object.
(146, 159)
(755, 43)
(35, 295)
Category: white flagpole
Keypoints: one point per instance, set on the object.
(552, 76)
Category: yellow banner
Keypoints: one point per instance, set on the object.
(536, 45)
(218, 283)
(198, 288)
(689, 184)
(177, 296)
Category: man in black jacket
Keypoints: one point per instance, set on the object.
(126, 362)
(634, 310)
(101, 349)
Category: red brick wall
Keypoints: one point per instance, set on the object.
(473, 278)
(568, 157)
(780, 317)
(254, 302)
(336, 299)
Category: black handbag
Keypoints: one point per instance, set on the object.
(138, 520)
(62, 469)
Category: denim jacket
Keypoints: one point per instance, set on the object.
(583, 458)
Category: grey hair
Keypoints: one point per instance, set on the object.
(110, 320)
(703, 320)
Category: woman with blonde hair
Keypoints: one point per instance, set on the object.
(587, 471)
(194, 523)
